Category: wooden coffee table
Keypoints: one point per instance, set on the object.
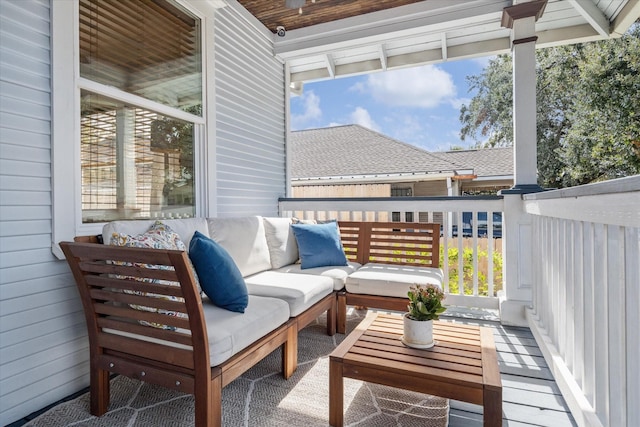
(463, 365)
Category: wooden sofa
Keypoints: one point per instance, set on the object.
(387, 243)
(177, 359)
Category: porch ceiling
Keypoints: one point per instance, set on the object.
(333, 39)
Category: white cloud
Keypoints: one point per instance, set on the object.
(424, 87)
(361, 117)
(311, 111)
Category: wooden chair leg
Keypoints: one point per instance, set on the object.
(341, 317)
(99, 387)
(290, 352)
(209, 404)
(332, 315)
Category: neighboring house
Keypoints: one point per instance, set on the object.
(492, 168)
(353, 161)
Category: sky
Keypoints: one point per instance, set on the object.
(418, 105)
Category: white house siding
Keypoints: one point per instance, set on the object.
(250, 120)
(43, 348)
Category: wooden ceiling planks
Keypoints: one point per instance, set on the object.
(273, 13)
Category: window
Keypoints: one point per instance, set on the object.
(137, 163)
(134, 163)
(128, 113)
(401, 191)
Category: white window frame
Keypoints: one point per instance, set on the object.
(65, 153)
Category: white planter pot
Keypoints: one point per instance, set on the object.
(417, 333)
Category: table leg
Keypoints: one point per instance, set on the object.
(336, 394)
(492, 399)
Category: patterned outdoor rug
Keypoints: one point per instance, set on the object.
(261, 397)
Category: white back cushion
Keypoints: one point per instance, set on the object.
(245, 241)
(281, 241)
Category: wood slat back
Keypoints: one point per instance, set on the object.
(401, 243)
(351, 235)
(125, 290)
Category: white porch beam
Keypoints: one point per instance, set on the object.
(444, 46)
(331, 65)
(593, 15)
(406, 21)
(567, 35)
(469, 50)
(383, 58)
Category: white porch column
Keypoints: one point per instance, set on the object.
(516, 291)
(126, 164)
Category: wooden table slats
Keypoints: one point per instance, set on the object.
(442, 350)
(444, 347)
(398, 367)
(434, 359)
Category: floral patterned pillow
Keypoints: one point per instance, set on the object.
(159, 236)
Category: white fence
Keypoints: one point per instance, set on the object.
(448, 211)
(585, 315)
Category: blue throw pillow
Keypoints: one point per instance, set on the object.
(319, 245)
(219, 276)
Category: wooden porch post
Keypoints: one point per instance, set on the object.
(517, 273)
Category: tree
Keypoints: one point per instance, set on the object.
(588, 118)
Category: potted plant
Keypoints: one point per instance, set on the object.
(425, 306)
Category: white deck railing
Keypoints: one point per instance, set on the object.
(479, 287)
(586, 308)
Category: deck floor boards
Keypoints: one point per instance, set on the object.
(530, 395)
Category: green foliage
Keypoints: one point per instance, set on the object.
(588, 110)
(425, 302)
(467, 271)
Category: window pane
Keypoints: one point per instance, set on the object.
(135, 163)
(150, 48)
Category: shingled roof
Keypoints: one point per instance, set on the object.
(485, 162)
(352, 150)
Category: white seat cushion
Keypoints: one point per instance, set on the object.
(337, 273)
(230, 332)
(245, 241)
(300, 291)
(391, 280)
